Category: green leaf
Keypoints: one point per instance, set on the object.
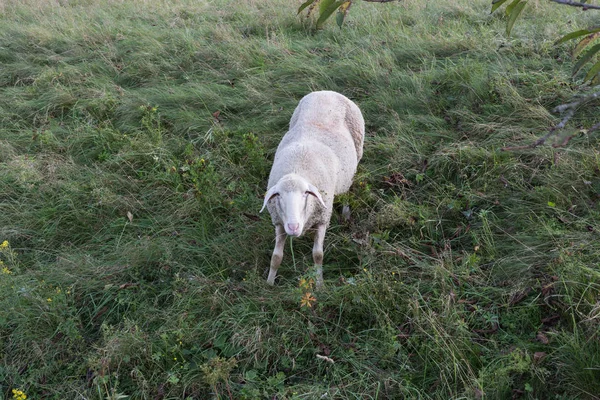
(528, 388)
(304, 5)
(585, 58)
(251, 375)
(513, 16)
(595, 70)
(511, 6)
(551, 204)
(327, 12)
(584, 42)
(339, 18)
(576, 34)
(324, 5)
(341, 14)
(496, 4)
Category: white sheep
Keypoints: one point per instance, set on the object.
(315, 160)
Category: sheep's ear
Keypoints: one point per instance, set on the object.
(312, 190)
(270, 194)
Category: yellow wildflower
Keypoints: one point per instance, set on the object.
(49, 300)
(18, 394)
(307, 300)
(6, 271)
(4, 244)
(306, 283)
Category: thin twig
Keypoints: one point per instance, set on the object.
(594, 128)
(533, 145)
(585, 6)
(563, 107)
(565, 141)
(569, 109)
(567, 117)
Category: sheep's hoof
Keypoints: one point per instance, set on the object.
(271, 278)
(319, 278)
(346, 213)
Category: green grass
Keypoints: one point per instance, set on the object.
(135, 144)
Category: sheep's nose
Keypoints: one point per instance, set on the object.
(293, 227)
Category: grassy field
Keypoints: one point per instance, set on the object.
(136, 140)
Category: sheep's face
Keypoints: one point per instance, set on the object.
(291, 198)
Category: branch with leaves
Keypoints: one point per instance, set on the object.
(586, 50)
(327, 7)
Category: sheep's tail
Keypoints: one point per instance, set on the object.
(356, 125)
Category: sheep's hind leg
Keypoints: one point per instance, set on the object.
(277, 256)
(318, 253)
(346, 213)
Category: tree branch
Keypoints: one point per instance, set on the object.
(594, 128)
(585, 6)
(569, 109)
(574, 104)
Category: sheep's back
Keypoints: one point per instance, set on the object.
(324, 143)
(330, 115)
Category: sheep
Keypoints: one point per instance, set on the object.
(315, 160)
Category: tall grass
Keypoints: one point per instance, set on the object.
(135, 143)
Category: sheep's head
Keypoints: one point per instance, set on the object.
(292, 196)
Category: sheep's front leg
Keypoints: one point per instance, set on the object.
(318, 253)
(277, 256)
